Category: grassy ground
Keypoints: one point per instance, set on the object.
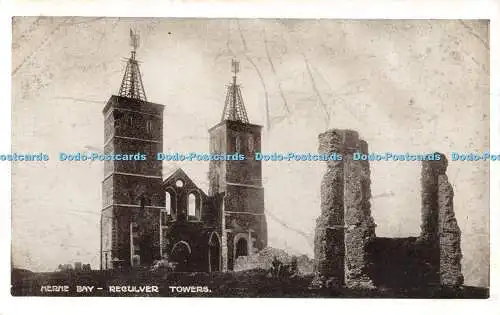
(252, 283)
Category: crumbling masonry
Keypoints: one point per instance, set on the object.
(347, 251)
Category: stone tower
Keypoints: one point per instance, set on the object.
(132, 188)
(244, 227)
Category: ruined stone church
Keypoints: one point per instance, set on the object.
(146, 217)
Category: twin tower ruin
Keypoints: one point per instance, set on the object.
(347, 251)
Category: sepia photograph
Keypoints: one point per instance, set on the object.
(250, 157)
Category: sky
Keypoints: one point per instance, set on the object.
(406, 86)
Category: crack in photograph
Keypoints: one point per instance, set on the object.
(215, 157)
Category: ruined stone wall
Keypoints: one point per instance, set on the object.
(345, 226)
(449, 236)
(439, 231)
(329, 232)
(148, 221)
(433, 258)
(346, 250)
(430, 228)
(429, 238)
(360, 227)
(197, 236)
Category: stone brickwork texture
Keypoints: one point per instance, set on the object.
(449, 237)
(360, 228)
(429, 234)
(346, 249)
(132, 190)
(345, 226)
(241, 184)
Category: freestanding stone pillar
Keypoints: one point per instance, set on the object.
(329, 233)
(360, 227)
(440, 234)
(429, 234)
(449, 237)
(345, 225)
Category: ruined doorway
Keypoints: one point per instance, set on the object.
(180, 255)
(241, 248)
(214, 253)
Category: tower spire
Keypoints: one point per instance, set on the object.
(234, 108)
(132, 86)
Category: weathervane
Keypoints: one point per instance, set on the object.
(134, 42)
(235, 65)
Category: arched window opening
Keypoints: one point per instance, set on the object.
(214, 253)
(256, 143)
(213, 146)
(149, 126)
(192, 205)
(117, 118)
(168, 203)
(238, 144)
(241, 248)
(166, 214)
(250, 144)
(130, 121)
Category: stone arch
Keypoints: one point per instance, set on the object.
(186, 244)
(241, 244)
(214, 252)
(180, 254)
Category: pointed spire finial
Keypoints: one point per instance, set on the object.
(234, 108)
